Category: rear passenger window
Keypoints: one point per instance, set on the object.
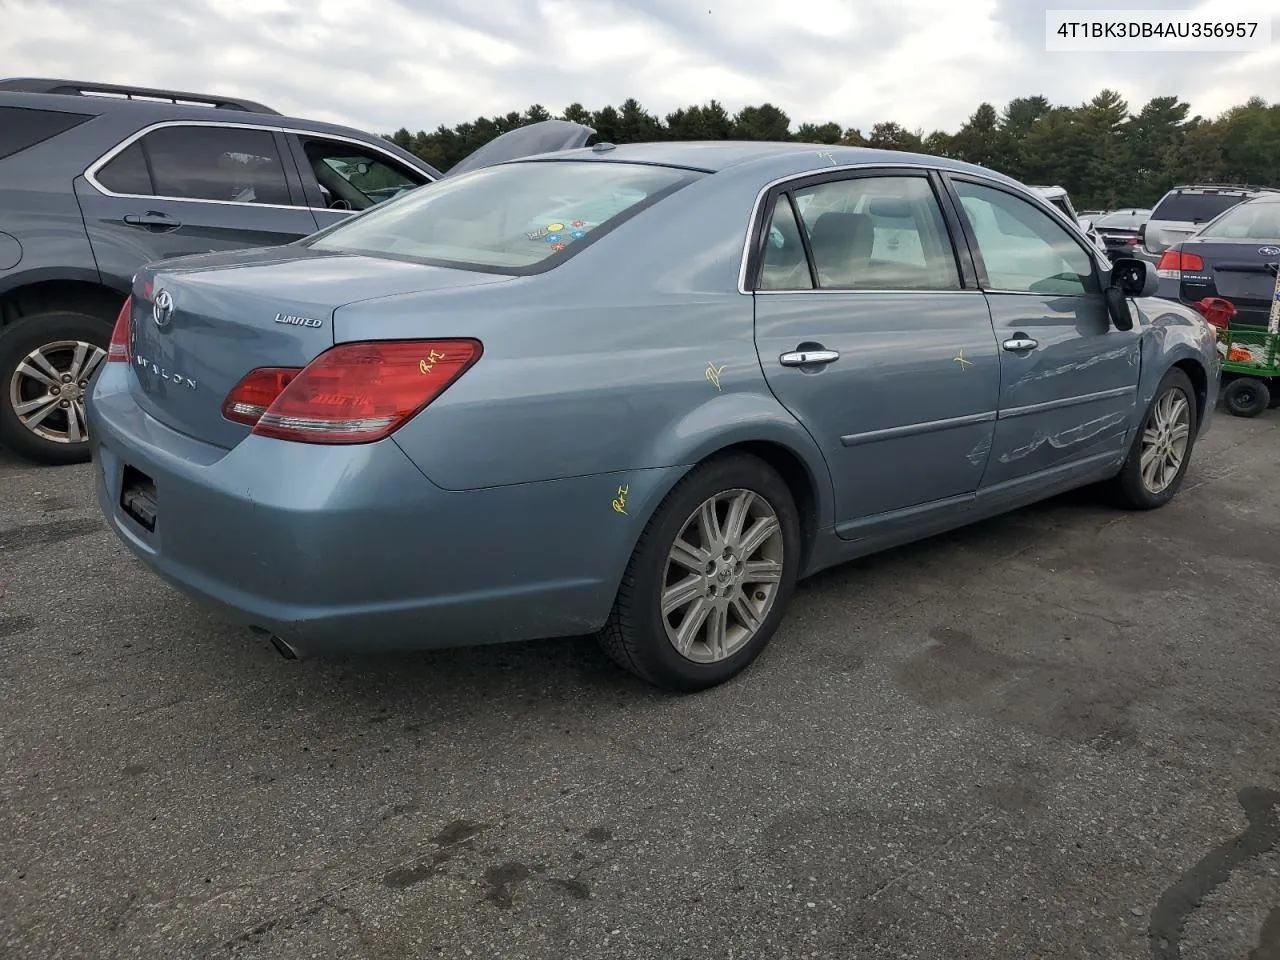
(21, 127)
(878, 233)
(784, 265)
(229, 164)
(127, 173)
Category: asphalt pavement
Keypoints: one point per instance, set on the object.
(1055, 734)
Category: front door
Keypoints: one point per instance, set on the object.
(1069, 379)
(868, 336)
(193, 188)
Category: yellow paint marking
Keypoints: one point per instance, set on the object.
(425, 366)
(713, 374)
(620, 501)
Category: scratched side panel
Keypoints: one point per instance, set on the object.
(1070, 399)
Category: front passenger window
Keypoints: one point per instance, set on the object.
(1024, 249)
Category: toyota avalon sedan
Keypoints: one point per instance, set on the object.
(636, 391)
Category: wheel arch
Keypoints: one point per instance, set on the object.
(1199, 378)
(79, 292)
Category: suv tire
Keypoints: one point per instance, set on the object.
(46, 363)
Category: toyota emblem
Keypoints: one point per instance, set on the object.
(162, 309)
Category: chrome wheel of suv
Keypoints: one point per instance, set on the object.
(47, 389)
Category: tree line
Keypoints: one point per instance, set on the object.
(1106, 156)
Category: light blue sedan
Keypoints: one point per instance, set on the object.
(637, 391)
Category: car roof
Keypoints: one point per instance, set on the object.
(777, 158)
(145, 112)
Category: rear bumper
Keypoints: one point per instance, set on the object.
(346, 549)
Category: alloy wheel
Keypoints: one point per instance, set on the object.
(1164, 440)
(722, 575)
(48, 388)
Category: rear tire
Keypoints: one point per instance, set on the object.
(1246, 397)
(1157, 461)
(46, 363)
(722, 553)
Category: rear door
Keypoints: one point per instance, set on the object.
(1068, 379)
(868, 334)
(185, 188)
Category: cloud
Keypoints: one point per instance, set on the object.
(384, 64)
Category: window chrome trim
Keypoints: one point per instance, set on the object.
(92, 171)
(876, 290)
(1018, 189)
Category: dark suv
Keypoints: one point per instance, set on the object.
(97, 179)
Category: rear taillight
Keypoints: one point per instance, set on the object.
(1217, 311)
(352, 393)
(118, 349)
(253, 396)
(1173, 261)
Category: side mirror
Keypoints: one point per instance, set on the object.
(1085, 224)
(1118, 308)
(1134, 277)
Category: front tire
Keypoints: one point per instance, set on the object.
(710, 577)
(1246, 397)
(1158, 459)
(46, 363)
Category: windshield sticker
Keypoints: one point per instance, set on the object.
(554, 227)
(577, 234)
(536, 234)
(578, 223)
(557, 247)
(553, 238)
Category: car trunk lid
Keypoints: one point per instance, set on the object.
(199, 327)
(1242, 272)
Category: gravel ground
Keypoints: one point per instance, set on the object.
(1054, 734)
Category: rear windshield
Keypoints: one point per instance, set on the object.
(1194, 207)
(1259, 220)
(1124, 219)
(513, 218)
(21, 127)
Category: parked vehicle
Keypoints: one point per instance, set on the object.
(1184, 210)
(97, 179)
(637, 390)
(1120, 231)
(1229, 270)
(1234, 256)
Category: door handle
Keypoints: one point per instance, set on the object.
(1020, 342)
(808, 358)
(152, 220)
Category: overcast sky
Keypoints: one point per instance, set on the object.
(383, 64)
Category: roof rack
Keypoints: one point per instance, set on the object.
(1222, 186)
(78, 88)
